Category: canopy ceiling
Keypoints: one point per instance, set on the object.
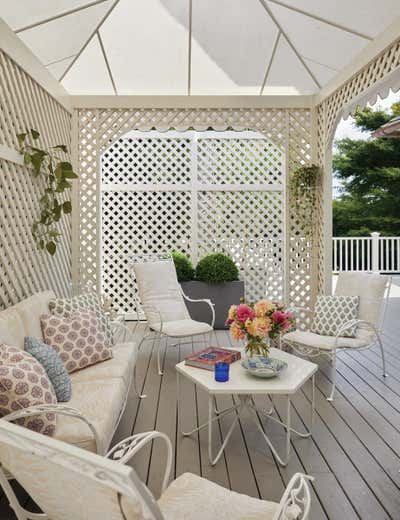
(197, 47)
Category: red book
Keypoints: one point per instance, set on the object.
(208, 357)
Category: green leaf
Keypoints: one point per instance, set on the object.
(27, 158)
(21, 138)
(37, 161)
(63, 185)
(61, 147)
(70, 175)
(58, 172)
(57, 212)
(67, 206)
(51, 247)
(66, 166)
(35, 134)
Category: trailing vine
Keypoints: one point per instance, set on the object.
(303, 192)
(57, 175)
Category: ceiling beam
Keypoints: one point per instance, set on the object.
(103, 19)
(272, 16)
(270, 62)
(323, 20)
(57, 16)
(107, 62)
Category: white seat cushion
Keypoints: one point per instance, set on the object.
(121, 365)
(12, 330)
(180, 328)
(310, 339)
(190, 496)
(100, 402)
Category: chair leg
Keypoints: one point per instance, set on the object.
(382, 354)
(160, 372)
(330, 398)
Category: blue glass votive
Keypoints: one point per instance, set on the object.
(221, 372)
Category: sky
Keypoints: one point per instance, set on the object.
(347, 128)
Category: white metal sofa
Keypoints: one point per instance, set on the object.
(68, 483)
(99, 392)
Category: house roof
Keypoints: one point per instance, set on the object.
(197, 47)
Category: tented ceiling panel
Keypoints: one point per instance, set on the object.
(92, 68)
(157, 59)
(232, 41)
(197, 47)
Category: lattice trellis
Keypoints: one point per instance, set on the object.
(328, 116)
(23, 269)
(285, 129)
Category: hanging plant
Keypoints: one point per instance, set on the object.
(303, 192)
(57, 175)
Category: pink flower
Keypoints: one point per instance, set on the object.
(262, 326)
(244, 313)
(262, 307)
(283, 319)
(236, 332)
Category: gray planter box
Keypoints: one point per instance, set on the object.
(223, 295)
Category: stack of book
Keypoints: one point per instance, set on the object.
(210, 356)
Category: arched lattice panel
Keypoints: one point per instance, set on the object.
(286, 129)
(328, 115)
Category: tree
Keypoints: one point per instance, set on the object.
(370, 175)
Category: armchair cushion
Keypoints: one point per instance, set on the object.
(51, 362)
(24, 383)
(181, 328)
(317, 341)
(190, 496)
(332, 312)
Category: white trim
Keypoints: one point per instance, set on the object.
(9, 154)
(187, 187)
(166, 102)
(23, 56)
(371, 51)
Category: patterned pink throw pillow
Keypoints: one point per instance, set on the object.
(24, 383)
(79, 340)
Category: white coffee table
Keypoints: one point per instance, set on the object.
(244, 386)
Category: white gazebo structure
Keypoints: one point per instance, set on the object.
(185, 120)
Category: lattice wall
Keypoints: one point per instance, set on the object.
(328, 115)
(23, 269)
(286, 129)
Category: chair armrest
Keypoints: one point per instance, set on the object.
(296, 500)
(351, 323)
(205, 300)
(127, 448)
(56, 409)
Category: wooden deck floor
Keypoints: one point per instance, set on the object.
(354, 454)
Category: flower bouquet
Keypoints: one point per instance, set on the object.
(258, 323)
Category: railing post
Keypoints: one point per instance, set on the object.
(375, 252)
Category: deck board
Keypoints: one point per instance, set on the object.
(354, 454)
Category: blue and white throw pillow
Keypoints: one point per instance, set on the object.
(54, 367)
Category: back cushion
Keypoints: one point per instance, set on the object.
(30, 311)
(12, 329)
(159, 290)
(371, 290)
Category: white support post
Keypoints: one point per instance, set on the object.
(375, 252)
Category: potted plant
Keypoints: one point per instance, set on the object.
(216, 278)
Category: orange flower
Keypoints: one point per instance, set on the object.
(250, 327)
(262, 307)
(262, 326)
(232, 312)
(236, 332)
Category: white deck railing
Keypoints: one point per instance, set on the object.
(374, 253)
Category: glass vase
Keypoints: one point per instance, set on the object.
(257, 347)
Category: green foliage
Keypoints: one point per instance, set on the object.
(49, 166)
(370, 175)
(303, 183)
(217, 268)
(183, 266)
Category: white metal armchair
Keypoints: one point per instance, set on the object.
(373, 292)
(162, 300)
(69, 483)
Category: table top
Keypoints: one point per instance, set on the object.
(298, 371)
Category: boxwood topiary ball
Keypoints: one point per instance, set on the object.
(183, 266)
(217, 268)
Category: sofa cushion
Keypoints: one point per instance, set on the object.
(89, 301)
(190, 496)
(120, 365)
(310, 339)
(79, 340)
(12, 330)
(55, 369)
(24, 383)
(100, 402)
(30, 311)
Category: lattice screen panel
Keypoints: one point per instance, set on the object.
(23, 269)
(287, 129)
(328, 115)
